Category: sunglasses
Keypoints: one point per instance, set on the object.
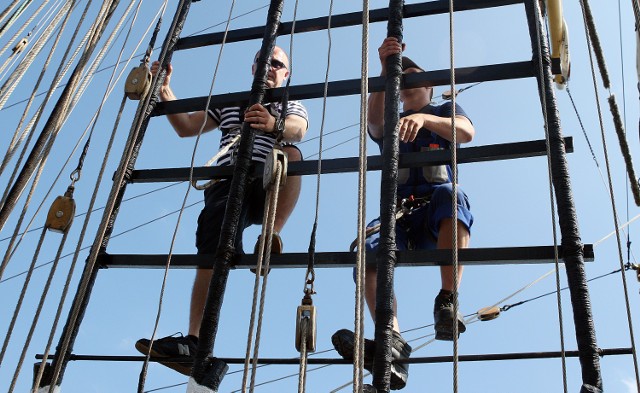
(275, 64)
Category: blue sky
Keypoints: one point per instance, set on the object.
(510, 201)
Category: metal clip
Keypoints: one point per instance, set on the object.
(60, 216)
(270, 165)
(138, 82)
(306, 320)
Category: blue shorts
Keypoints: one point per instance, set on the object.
(419, 230)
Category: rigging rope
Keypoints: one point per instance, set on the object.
(8, 10)
(5, 260)
(593, 42)
(75, 176)
(110, 86)
(21, 30)
(541, 86)
(358, 355)
(454, 199)
(14, 17)
(160, 77)
(264, 257)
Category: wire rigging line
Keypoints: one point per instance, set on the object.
(358, 356)
(14, 17)
(139, 55)
(540, 33)
(5, 260)
(593, 41)
(8, 10)
(454, 199)
(75, 176)
(21, 30)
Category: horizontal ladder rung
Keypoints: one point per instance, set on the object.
(467, 256)
(414, 360)
(517, 70)
(342, 20)
(504, 151)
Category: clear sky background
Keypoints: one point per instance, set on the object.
(510, 202)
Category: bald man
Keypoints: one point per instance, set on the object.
(263, 119)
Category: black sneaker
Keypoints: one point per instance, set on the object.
(344, 342)
(443, 317)
(171, 347)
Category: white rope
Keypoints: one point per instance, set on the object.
(21, 30)
(264, 257)
(111, 85)
(454, 199)
(8, 10)
(16, 76)
(302, 373)
(221, 152)
(5, 261)
(358, 356)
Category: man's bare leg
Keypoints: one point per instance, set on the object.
(198, 299)
(445, 240)
(370, 288)
(287, 199)
(288, 195)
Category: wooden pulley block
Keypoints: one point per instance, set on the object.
(61, 214)
(270, 165)
(488, 313)
(20, 46)
(138, 82)
(447, 95)
(306, 317)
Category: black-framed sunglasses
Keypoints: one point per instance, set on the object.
(275, 64)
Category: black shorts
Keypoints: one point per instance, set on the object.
(212, 215)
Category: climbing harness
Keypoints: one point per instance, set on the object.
(404, 207)
(233, 143)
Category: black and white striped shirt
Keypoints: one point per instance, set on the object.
(230, 119)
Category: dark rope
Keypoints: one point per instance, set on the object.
(386, 258)
(226, 250)
(571, 242)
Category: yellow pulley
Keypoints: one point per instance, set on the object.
(488, 313)
(20, 46)
(60, 216)
(306, 320)
(270, 165)
(138, 82)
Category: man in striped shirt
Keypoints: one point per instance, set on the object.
(263, 118)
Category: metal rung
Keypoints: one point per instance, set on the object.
(342, 20)
(504, 151)
(414, 360)
(468, 256)
(523, 69)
